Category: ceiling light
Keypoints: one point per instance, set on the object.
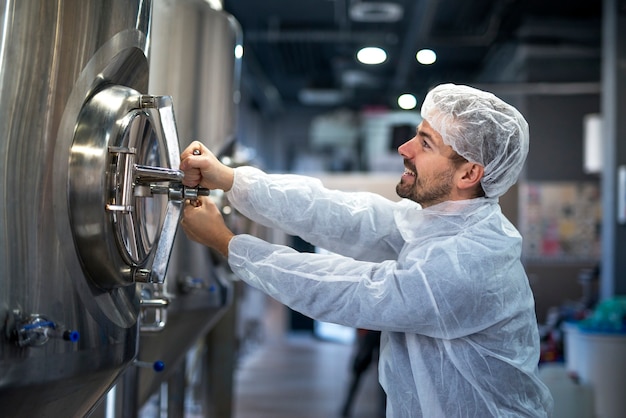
(371, 55)
(376, 12)
(407, 101)
(238, 51)
(426, 56)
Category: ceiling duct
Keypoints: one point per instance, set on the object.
(321, 96)
(379, 12)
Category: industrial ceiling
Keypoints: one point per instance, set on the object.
(302, 52)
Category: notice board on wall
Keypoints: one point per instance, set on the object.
(560, 221)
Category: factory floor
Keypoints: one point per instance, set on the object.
(300, 375)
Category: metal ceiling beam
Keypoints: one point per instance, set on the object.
(539, 88)
(330, 36)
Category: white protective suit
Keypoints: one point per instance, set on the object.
(445, 285)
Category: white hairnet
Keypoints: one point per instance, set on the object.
(481, 128)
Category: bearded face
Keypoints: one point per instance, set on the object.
(427, 187)
(429, 171)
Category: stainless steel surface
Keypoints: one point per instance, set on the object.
(54, 55)
(154, 304)
(148, 174)
(125, 146)
(79, 132)
(192, 59)
(120, 236)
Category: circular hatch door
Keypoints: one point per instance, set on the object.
(123, 172)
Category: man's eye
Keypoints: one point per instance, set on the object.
(425, 144)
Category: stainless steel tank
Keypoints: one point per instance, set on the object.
(192, 58)
(91, 199)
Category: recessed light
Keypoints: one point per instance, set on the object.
(371, 55)
(407, 101)
(426, 56)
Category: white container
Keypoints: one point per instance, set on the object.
(600, 361)
(571, 346)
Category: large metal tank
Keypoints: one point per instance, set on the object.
(192, 58)
(91, 199)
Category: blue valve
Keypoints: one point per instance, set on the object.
(71, 336)
(158, 366)
(35, 330)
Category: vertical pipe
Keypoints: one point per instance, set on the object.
(130, 401)
(613, 104)
(176, 392)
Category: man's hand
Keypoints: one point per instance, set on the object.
(202, 168)
(203, 223)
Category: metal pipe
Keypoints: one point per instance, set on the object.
(148, 174)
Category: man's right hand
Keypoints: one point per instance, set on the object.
(201, 167)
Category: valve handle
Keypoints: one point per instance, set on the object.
(158, 366)
(36, 330)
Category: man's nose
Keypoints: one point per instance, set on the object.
(404, 149)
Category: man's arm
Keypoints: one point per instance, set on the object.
(359, 225)
(432, 295)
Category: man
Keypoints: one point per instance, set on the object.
(438, 273)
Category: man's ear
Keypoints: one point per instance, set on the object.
(470, 175)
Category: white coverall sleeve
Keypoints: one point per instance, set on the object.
(301, 206)
(377, 296)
